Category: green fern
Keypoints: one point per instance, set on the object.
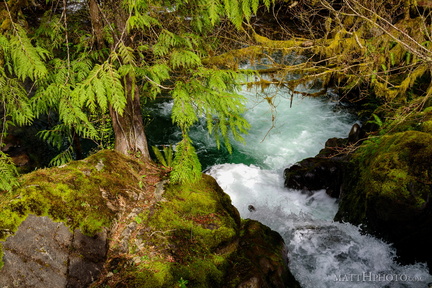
(28, 61)
(186, 166)
(8, 173)
(141, 21)
(184, 58)
(16, 105)
(377, 120)
(166, 156)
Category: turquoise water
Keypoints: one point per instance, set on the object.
(322, 253)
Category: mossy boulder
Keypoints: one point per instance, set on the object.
(389, 192)
(118, 222)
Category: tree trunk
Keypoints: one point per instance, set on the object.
(97, 23)
(130, 138)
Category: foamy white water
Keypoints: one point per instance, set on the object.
(322, 253)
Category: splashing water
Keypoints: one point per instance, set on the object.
(322, 253)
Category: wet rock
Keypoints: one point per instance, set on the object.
(326, 170)
(356, 134)
(313, 174)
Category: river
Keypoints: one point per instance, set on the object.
(322, 253)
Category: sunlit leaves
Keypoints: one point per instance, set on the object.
(102, 87)
(141, 21)
(184, 58)
(27, 60)
(125, 54)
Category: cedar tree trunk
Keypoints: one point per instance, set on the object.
(130, 138)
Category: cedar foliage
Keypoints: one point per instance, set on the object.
(57, 62)
(379, 48)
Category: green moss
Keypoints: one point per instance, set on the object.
(72, 194)
(390, 169)
(200, 224)
(186, 233)
(402, 160)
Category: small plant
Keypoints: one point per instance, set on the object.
(166, 156)
(377, 120)
(138, 220)
(141, 183)
(182, 283)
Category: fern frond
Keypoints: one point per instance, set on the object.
(27, 59)
(15, 101)
(62, 158)
(168, 40)
(159, 156)
(114, 88)
(183, 113)
(47, 98)
(184, 58)
(214, 11)
(55, 137)
(60, 138)
(72, 116)
(141, 21)
(8, 173)
(186, 166)
(126, 54)
(246, 7)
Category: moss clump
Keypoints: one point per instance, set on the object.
(263, 252)
(185, 236)
(392, 179)
(76, 194)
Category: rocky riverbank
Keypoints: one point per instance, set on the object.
(383, 183)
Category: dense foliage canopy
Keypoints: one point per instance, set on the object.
(89, 66)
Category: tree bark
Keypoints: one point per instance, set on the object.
(130, 138)
(97, 23)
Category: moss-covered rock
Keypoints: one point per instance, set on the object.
(193, 235)
(157, 234)
(389, 192)
(261, 261)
